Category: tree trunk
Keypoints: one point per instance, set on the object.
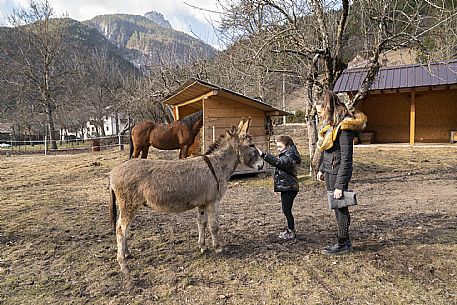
(117, 123)
(312, 143)
(51, 130)
(311, 122)
(102, 128)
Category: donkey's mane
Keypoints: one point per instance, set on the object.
(192, 118)
(218, 143)
(215, 145)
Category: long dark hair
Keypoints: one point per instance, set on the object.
(334, 109)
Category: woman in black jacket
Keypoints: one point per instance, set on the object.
(285, 179)
(341, 126)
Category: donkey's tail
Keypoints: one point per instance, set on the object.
(112, 208)
(131, 144)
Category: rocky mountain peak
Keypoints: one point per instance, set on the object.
(158, 19)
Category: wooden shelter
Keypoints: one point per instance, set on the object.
(5, 132)
(408, 103)
(222, 108)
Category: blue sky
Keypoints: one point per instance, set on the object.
(181, 16)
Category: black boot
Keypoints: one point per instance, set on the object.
(341, 242)
(344, 244)
(341, 247)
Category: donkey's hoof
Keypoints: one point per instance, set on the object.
(203, 249)
(124, 270)
(128, 255)
(219, 249)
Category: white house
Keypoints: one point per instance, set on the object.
(112, 125)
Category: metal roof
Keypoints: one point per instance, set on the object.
(195, 88)
(404, 76)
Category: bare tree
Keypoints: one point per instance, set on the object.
(102, 79)
(441, 41)
(35, 48)
(140, 99)
(310, 38)
(294, 37)
(142, 95)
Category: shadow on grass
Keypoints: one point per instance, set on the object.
(407, 230)
(402, 230)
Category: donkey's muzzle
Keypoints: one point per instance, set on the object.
(260, 166)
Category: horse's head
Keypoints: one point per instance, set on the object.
(247, 152)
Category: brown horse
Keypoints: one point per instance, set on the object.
(177, 135)
(174, 186)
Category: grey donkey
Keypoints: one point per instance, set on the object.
(175, 186)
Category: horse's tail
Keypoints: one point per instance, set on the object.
(131, 144)
(112, 208)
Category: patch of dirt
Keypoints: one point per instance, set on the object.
(56, 244)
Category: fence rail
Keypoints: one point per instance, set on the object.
(64, 146)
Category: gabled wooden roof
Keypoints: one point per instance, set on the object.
(404, 76)
(195, 89)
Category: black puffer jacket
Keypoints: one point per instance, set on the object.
(285, 177)
(338, 159)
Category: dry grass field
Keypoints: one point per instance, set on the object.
(57, 247)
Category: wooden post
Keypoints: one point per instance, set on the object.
(203, 145)
(214, 133)
(176, 112)
(412, 123)
(121, 145)
(283, 98)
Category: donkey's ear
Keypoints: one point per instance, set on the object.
(245, 127)
(240, 125)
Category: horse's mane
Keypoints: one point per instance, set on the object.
(192, 118)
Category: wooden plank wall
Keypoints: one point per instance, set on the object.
(388, 116)
(222, 114)
(436, 115)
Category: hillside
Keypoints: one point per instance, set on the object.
(72, 73)
(150, 39)
(88, 38)
(79, 39)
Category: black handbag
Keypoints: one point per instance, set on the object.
(349, 198)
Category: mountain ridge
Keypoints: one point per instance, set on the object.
(145, 42)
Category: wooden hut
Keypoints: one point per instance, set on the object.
(408, 103)
(222, 108)
(5, 132)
